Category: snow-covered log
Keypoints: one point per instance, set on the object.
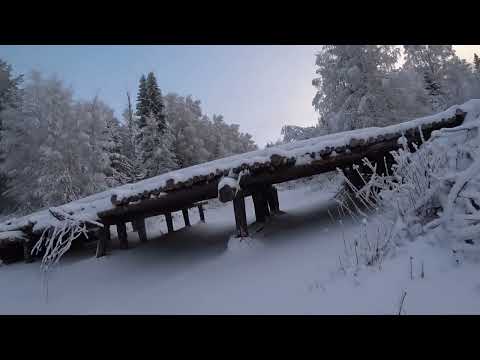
(178, 189)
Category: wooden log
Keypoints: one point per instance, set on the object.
(169, 221)
(260, 203)
(103, 241)
(177, 200)
(276, 160)
(122, 235)
(240, 215)
(272, 199)
(226, 193)
(202, 214)
(140, 229)
(186, 219)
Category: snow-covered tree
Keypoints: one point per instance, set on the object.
(154, 101)
(292, 133)
(119, 169)
(199, 139)
(154, 135)
(142, 104)
(9, 101)
(350, 86)
(157, 148)
(54, 145)
(130, 147)
(476, 63)
(431, 62)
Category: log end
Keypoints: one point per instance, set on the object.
(226, 193)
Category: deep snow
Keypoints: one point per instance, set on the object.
(289, 266)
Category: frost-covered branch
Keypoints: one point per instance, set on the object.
(56, 240)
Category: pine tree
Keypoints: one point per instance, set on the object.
(152, 128)
(157, 152)
(120, 166)
(130, 147)
(431, 61)
(434, 92)
(142, 103)
(154, 103)
(476, 63)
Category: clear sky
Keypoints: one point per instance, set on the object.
(261, 87)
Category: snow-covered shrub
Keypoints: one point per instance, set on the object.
(432, 191)
(369, 247)
(56, 240)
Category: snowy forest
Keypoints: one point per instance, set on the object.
(372, 208)
(361, 86)
(54, 149)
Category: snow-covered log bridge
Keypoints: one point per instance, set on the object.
(230, 179)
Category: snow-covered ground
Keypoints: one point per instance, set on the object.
(291, 266)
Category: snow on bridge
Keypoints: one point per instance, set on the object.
(255, 172)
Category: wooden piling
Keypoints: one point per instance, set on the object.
(240, 214)
(103, 241)
(260, 204)
(141, 231)
(185, 217)
(202, 214)
(122, 235)
(272, 199)
(169, 220)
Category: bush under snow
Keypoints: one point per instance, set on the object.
(432, 192)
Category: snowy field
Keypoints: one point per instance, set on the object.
(291, 266)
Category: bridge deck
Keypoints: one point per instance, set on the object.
(179, 189)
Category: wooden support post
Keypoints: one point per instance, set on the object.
(103, 241)
(140, 229)
(202, 214)
(272, 199)
(169, 220)
(240, 214)
(260, 203)
(185, 217)
(27, 251)
(122, 235)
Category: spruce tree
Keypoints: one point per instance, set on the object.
(155, 105)
(433, 89)
(155, 140)
(157, 153)
(142, 103)
(476, 63)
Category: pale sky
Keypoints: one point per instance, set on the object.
(260, 87)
